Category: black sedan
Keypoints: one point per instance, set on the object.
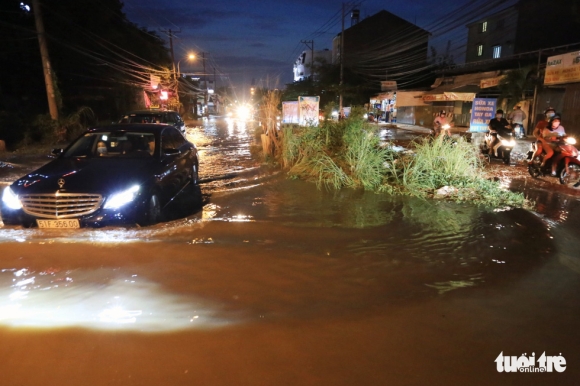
(120, 174)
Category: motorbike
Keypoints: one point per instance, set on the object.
(504, 151)
(569, 176)
(519, 131)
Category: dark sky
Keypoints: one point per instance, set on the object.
(260, 39)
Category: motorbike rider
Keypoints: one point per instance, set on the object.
(551, 135)
(498, 125)
(439, 123)
(548, 114)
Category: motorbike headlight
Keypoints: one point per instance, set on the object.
(571, 141)
(508, 142)
(446, 126)
(117, 200)
(10, 199)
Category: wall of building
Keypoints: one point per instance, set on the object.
(499, 29)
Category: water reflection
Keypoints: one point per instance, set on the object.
(106, 299)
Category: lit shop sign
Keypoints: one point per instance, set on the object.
(563, 68)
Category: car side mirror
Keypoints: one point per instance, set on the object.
(56, 151)
(169, 151)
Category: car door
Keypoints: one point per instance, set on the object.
(186, 158)
(169, 177)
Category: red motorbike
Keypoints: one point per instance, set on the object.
(568, 168)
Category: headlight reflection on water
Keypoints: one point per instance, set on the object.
(90, 299)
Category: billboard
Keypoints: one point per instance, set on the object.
(482, 111)
(563, 68)
(308, 110)
(290, 112)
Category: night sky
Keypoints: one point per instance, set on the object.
(260, 40)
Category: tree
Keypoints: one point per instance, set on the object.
(516, 86)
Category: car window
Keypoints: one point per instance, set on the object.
(171, 118)
(177, 138)
(143, 118)
(167, 140)
(113, 145)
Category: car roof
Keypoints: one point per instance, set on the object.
(135, 127)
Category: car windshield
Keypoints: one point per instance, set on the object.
(143, 118)
(113, 144)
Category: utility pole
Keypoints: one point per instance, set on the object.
(205, 85)
(171, 33)
(310, 44)
(48, 81)
(341, 62)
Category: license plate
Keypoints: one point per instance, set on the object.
(64, 224)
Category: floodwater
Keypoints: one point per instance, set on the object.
(269, 281)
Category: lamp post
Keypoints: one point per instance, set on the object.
(178, 75)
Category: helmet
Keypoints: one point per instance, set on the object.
(556, 116)
(500, 111)
(550, 112)
(442, 112)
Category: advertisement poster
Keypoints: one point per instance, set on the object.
(290, 112)
(309, 110)
(563, 68)
(482, 112)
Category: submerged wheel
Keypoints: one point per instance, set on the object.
(534, 168)
(572, 178)
(153, 211)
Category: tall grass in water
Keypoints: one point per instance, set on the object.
(349, 154)
(438, 163)
(335, 154)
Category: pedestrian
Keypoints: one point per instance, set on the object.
(516, 118)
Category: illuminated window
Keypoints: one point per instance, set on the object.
(496, 52)
(484, 26)
(480, 50)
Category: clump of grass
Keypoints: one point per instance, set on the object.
(456, 164)
(335, 154)
(349, 154)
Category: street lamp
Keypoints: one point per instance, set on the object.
(178, 75)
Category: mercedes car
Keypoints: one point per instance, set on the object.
(113, 175)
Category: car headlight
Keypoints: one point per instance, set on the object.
(10, 199)
(508, 142)
(571, 141)
(117, 200)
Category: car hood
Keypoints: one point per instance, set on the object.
(92, 175)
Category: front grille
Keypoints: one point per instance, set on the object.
(60, 205)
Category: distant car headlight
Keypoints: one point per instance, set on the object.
(508, 142)
(117, 200)
(571, 141)
(10, 199)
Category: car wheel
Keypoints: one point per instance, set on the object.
(195, 174)
(153, 211)
(572, 178)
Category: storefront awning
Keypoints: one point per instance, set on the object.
(449, 96)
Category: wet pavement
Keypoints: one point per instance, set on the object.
(272, 282)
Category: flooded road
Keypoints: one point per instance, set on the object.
(273, 282)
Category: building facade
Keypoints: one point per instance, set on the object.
(303, 65)
(529, 25)
(383, 47)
